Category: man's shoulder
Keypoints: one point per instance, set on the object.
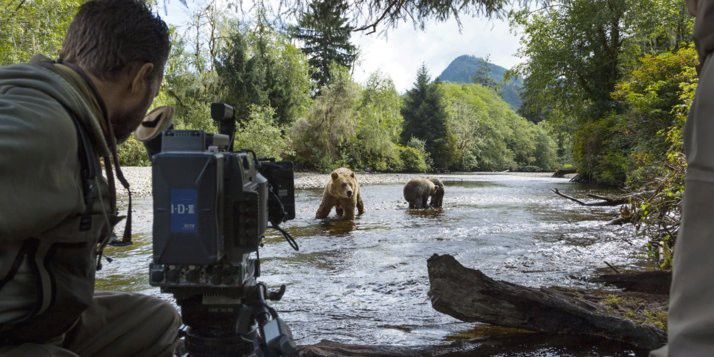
(31, 113)
(26, 104)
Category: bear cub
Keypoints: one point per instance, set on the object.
(342, 192)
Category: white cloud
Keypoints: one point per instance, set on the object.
(401, 51)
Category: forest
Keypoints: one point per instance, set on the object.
(607, 87)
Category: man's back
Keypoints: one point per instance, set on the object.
(48, 260)
(57, 120)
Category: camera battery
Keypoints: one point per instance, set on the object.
(187, 188)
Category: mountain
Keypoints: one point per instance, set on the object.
(463, 68)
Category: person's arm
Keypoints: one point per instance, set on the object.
(39, 167)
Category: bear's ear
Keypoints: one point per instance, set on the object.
(352, 175)
(335, 175)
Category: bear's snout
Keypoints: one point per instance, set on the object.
(349, 194)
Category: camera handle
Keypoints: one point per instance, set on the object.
(276, 337)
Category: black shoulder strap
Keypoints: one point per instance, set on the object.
(87, 158)
(87, 162)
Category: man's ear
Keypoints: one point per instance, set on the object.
(142, 77)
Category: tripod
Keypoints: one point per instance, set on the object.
(221, 325)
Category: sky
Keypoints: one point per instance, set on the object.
(400, 51)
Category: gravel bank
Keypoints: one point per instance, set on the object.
(140, 179)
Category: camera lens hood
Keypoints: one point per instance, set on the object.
(154, 123)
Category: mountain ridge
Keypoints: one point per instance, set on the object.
(464, 67)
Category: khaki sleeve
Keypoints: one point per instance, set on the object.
(39, 165)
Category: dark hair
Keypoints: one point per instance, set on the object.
(107, 36)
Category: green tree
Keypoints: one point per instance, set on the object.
(231, 66)
(485, 133)
(578, 50)
(573, 50)
(425, 118)
(379, 125)
(261, 134)
(286, 74)
(262, 68)
(414, 156)
(321, 138)
(483, 74)
(33, 27)
(191, 92)
(389, 13)
(325, 33)
(656, 95)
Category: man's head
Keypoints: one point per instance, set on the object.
(123, 46)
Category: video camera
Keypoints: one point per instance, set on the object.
(211, 210)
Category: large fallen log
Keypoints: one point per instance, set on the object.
(651, 282)
(471, 296)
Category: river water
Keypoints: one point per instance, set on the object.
(367, 283)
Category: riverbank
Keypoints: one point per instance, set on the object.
(140, 178)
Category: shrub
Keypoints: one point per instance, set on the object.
(413, 160)
(132, 153)
(261, 134)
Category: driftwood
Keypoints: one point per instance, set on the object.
(560, 173)
(651, 282)
(604, 201)
(471, 296)
(523, 343)
(330, 348)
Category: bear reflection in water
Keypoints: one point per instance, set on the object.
(426, 212)
(337, 227)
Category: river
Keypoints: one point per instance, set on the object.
(367, 282)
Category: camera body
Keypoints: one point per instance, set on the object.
(211, 210)
(210, 213)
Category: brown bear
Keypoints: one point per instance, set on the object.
(342, 192)
(418, 191)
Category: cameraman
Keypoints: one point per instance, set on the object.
(57, 121)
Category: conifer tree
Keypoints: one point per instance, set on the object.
(325, 35)
(425, 118)
(231, 66)
(483, 74)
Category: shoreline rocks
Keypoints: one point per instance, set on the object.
(140, 179)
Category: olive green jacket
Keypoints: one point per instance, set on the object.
(47, 258)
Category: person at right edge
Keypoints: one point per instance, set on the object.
(57, 212)
(691, 300)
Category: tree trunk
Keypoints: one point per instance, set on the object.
(471, 296)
